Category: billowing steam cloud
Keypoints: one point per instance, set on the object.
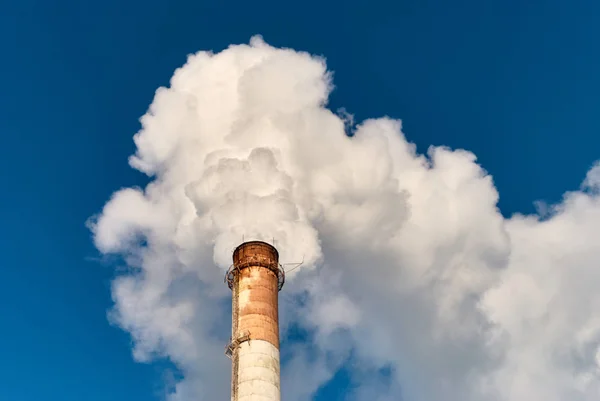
(409, 270)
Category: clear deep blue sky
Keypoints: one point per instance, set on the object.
(516, 84)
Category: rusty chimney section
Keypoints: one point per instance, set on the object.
(255, 279)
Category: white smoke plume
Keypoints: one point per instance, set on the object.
(409, 266)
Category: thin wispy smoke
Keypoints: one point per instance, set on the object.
(409, 265)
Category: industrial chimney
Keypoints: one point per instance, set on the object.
(255, 279)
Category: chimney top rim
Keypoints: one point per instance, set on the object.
(256, 242)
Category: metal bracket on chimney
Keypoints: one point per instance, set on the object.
(235, 342)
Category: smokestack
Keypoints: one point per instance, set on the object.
(255, 279)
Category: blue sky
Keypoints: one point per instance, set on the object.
(516, 84)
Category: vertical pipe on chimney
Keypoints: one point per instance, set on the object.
(255, 280)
